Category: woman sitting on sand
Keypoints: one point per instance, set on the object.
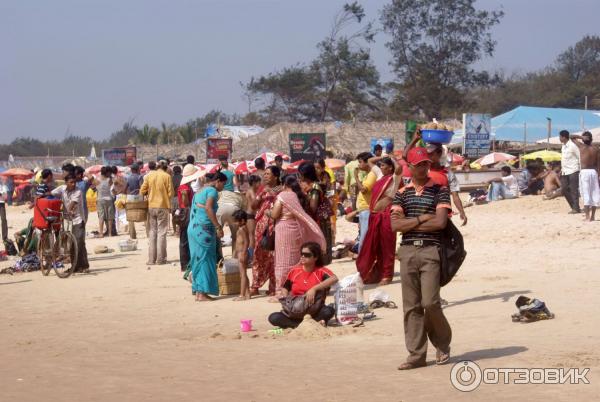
(293, 227)
(307, 278)
(203, 231)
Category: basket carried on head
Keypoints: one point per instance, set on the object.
(229, 277)
(136, 211)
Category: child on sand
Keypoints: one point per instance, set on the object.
(241, 246)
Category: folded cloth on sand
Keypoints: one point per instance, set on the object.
(100, 250)
(531, 310)
(589, 188)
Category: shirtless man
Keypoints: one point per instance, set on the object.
(240, 217)
(254, 182)
(552, 182)
(588, 177)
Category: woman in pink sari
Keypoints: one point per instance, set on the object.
(375, 261)
(293, 228)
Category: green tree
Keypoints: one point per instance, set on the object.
(434, 45)
(341, 83)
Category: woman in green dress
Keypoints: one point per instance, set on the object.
(203, 233)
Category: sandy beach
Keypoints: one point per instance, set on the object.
(128, 332)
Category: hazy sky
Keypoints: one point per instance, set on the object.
(89, 66)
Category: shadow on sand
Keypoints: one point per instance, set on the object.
(505, 296)
(15, 282)
(492, 353)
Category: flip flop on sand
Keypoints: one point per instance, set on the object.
(441, 357)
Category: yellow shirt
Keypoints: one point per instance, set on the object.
(349, 174)
(363, 199)
(331, 174)
(158, 185)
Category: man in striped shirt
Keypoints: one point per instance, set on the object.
(420, 212)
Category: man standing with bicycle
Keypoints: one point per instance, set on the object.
(72, 199)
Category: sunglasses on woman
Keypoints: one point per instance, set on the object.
(306, 255)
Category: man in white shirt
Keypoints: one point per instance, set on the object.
(72, 199)
(504, 187)
(569, 175)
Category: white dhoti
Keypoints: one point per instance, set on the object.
(589, 188)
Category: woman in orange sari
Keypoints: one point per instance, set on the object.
(376, 259)
(263, 267)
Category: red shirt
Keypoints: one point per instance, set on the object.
(439, 176)
(189, 192)
(299, 281)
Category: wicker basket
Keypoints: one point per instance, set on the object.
(229, 284)
(137, 211)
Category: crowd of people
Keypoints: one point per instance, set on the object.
(575, 176)
(282, 224)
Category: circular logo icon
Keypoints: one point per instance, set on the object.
(465, 376)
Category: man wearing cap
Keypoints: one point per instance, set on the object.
(158, 186)
(439, 173)
(420, 212)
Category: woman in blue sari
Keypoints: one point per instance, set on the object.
(203, 233)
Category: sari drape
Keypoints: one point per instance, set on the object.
(202, 237)
(290, 233)
(263, 266)
(375, 260)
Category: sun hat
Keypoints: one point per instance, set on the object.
(190, 173)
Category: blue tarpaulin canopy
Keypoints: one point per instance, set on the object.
(510, 126)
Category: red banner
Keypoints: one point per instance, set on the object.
(217, 148)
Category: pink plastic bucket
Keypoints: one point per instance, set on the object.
(246, 325)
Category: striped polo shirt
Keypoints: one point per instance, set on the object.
(427, 200)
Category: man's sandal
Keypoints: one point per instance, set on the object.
(410, 366)
(441, 357)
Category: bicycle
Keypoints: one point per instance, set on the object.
(57, 249)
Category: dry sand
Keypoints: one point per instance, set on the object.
(127, 332)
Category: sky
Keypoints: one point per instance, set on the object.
(86, 67)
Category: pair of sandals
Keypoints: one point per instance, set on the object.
(441, 358)
(379, 303)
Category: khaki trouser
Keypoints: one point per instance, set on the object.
(158, 225)
(132, 232)
(423, 315)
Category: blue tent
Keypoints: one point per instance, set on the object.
(509, 126)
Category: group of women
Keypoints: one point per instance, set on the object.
(284, 214)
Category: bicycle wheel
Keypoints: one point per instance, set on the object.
(46, 252)
(66, 255)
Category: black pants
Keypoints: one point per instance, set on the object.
(184, 245)
(534, 188)
(82, 259)
(283, 321)
(4, 222)
(570, 187)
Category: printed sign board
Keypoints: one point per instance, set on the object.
(307, 146)
(386, 143)
(477, 130)
(218, 147)
(121, 156)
